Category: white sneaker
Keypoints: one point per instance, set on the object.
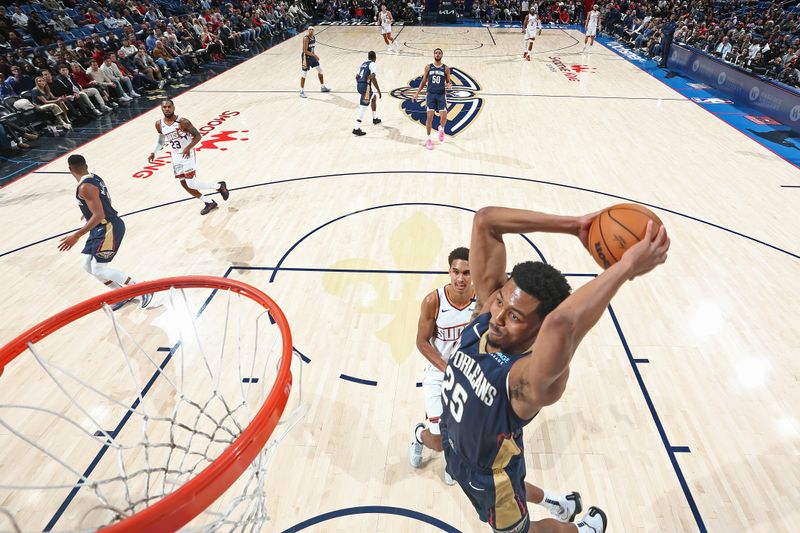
(448, 479)
(303, 94)
(415, 449)
(594, 521)
(565, 507)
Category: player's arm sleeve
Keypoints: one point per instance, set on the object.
(159, 144)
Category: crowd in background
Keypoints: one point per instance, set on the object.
(761, 37)
(63, 61)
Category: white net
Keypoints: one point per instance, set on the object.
(119, 409)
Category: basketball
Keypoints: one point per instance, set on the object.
(616, 229)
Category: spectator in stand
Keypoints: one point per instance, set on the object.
(213, 45)
(112, 71)
(109, 84)
(128, 68)
(88, 84)
(61, 22)
(19, 81)
(89, 93)
(667, 34)
(20, 19)
(45, 102)
(160, 53)
(145, 63)
(723, 48)
(63, 86)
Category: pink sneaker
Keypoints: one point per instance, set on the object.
(429, 144)
(441, 135)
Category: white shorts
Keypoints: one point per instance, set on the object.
(432, 390)
(530, 35)
(591, 30)
(184, 167)
(386, 28)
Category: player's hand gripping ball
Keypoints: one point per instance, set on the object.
(616, 229)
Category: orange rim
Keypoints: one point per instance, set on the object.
(178, 508)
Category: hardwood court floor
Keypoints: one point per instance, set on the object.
(682, 410)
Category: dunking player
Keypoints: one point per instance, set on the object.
(309, 59)
(444, 314)
(180, 136)
(513, 360)
(385, 20)
(104, 227)
(437, 78)
(592, 25)
(365, 79)
(532, 27)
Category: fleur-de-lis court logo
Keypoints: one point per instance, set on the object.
(463, 102)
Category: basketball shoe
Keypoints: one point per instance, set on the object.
(563, 507)
(594, 521)
(429, 144)
(210, 206)
(223, 190)
(415, 448)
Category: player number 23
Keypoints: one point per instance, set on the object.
(453, 394)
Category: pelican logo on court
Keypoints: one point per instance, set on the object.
(721, 78)
(754, 93)
(794, 114)
(463, 102)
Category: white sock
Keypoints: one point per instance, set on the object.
(362, 110)
(550, 500)
(358, 124)
(374, 115)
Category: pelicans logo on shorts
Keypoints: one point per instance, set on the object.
(463, 102)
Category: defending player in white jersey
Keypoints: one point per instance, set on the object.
(443, 316)
(180, 136)
(592, 27)
(532, 27)
(385, 20)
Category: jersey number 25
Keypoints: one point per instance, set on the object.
(453, 394)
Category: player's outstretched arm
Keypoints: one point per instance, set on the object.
(425, 329)
(539, 381)
(487, 254)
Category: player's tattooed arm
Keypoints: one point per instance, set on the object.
(188, 127)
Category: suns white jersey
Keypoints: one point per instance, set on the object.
(534, 25)
(594, 18)
(385, 18)
(175, 139)
(450, 322)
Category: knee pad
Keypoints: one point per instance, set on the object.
(303, 74)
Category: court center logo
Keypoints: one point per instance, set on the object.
(463, 102)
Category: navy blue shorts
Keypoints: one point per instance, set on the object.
(498, 496)
(436, 102)
(365, 90)
(104, 240)
(308, 62)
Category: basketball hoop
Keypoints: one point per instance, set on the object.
(210, 425)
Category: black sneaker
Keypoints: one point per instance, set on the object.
(210, 206)
(376, 121)
(359, 132)
(223, 190)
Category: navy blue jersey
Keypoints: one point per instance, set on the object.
(478, 417)
(109, 213)
(364, 72)
(312, 41)
(436, 78)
